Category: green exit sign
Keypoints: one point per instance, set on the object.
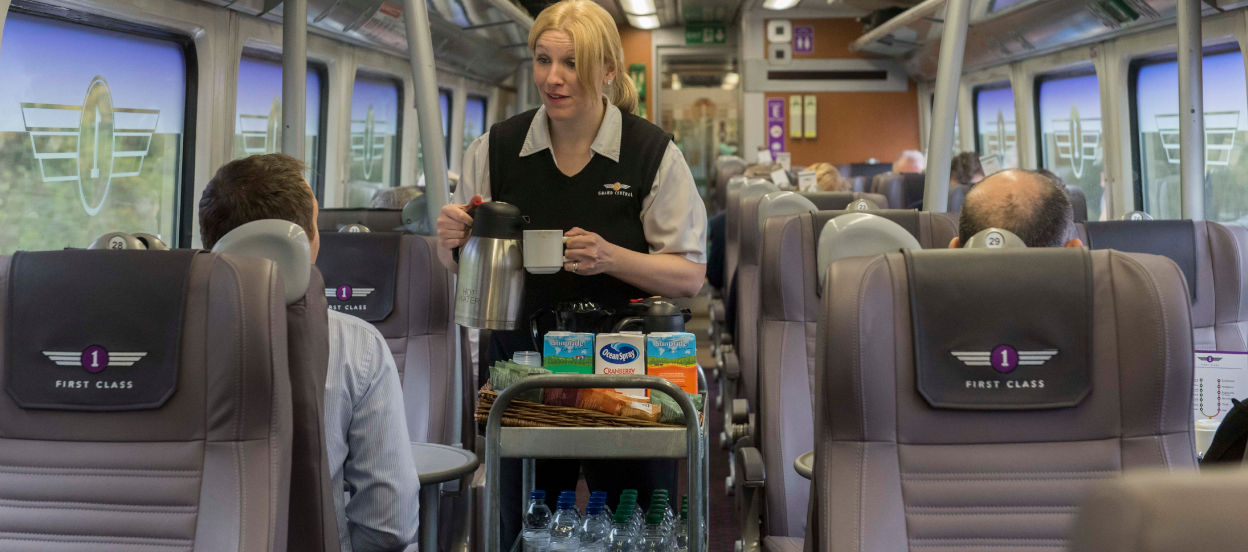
(705, 33)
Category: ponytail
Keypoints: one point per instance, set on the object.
(623, 93)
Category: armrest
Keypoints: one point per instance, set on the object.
(805, 464)
(750, 467)
(731, 367)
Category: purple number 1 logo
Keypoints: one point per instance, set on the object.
(1004, 359)
(344, 292)
(94, 359)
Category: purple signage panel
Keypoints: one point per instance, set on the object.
(803, 39)
(775, 125)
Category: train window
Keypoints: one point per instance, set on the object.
(258, 112)
(374, 146)
(995, 131)
(91, 130)
(444, 102)
(1070, 132)
(1155, 123)
(474, 118)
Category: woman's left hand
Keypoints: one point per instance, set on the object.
(587, 253)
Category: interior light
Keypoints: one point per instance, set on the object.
(780, 4)
(730, 81)
(675, 82)
(637, 7)
(644, 22)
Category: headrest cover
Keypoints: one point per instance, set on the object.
(994, 238)
(757, 188)
(735, 182)
(1174, 239)
(777, 204)
(360, 272)
(84, 333)
(1001, 330)
(1137, 215)
(906, 218)
(151, 242)
(281, 241)
(117, 241)
(863, 204)
(354, 228)
(859, 235)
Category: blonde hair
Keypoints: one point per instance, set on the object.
(595, 42)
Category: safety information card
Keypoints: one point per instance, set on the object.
(1218, 377)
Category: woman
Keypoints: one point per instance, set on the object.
(615, 183)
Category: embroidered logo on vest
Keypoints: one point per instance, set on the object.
(616, 189)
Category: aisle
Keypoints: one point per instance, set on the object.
(723, 526)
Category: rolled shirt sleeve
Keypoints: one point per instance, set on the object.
(475, 178)
(673, 216)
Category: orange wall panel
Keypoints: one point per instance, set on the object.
(856, 126)
(832, 38)
(637, 50)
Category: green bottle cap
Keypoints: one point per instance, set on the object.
(654, 517)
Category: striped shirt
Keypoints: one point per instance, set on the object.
(367, 441)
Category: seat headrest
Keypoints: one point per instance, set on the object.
(361, 271)
(994, 238)
(152, 242)
(84, 334)
(1137, 215)
(736, 182)
(281, 241)
(354, 228)
(859, 235)
(1175, 239)
(1001, 330)
(757, 188)
(862, 204)
(118, 241)
(777, 204)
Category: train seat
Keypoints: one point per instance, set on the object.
(156, 409)
(790, 290)
(836, 201)
(1078, 202)
(745, 286)
(396, 283)
(903, 191)
(957, 196)
(1211, 256)
(1156, 512)
(382, 220)
(967, 453)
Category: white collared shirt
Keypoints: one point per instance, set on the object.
(673, 217)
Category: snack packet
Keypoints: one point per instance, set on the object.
(671, 412)
(504, 373)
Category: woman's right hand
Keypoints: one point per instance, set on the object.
(454, 224)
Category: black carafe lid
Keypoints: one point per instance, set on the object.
(498, 219)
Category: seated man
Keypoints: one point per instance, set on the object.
(365, 425)
(910, 161)
(1026, 203)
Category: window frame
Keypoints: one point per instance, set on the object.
(1081, 71)
(450, 116)
(1133, 77)
(398, 123)
(975, 90)
(322, 69)
(184, 189)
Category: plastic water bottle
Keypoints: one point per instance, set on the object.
(623, 538)
(682, 528)
(596, 529)
(536, 535)
(565, 529)
(654, 539)
(601, 496)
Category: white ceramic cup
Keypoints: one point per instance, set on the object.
(543, 251)
(1205, 429)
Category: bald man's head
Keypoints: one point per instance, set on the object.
(1026, 203)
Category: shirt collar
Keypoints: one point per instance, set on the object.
(606, 143)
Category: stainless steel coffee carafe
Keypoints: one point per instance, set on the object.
(490, 289)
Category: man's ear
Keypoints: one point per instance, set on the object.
(955, 243)
(1075, 243)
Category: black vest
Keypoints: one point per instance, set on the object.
(604, 198)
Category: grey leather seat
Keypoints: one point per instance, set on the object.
(836, 201)
(893, 472)
(180, 439)
(789, 287)
(397, 284)
(745, 286)
(1214, 265)
(957, 196)
(903, 190)
(1161, 512)
(378, 220)
(1078, 202)
(726, 167)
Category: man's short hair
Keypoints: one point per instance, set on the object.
(254, 188)
(964, 166)
(1045, 222)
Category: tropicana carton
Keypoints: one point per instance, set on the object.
(673, 356)
(621, 354)
(568, 353)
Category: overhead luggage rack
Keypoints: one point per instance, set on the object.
(531, 443)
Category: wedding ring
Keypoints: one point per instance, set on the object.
(576, 266)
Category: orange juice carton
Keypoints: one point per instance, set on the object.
(621, 354)
(673, 356)
(568, 353)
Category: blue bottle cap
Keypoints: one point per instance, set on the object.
(537, 495)
(593, 509)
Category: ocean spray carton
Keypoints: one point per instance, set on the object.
(621, 354)
(568, 353)
(673, 356)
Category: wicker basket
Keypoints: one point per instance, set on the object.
(530, 414)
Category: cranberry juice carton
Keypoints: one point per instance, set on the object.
(621, 354)
(673, 356)
(568, 353)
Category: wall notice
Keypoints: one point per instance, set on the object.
(775, 125)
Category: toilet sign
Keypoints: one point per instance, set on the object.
(775, 124)
(803, 39)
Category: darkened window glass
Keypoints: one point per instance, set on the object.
(373, 150)
(474, 118)
(258, 112)
(1070, 134)
(91, 132)
(444, 102)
